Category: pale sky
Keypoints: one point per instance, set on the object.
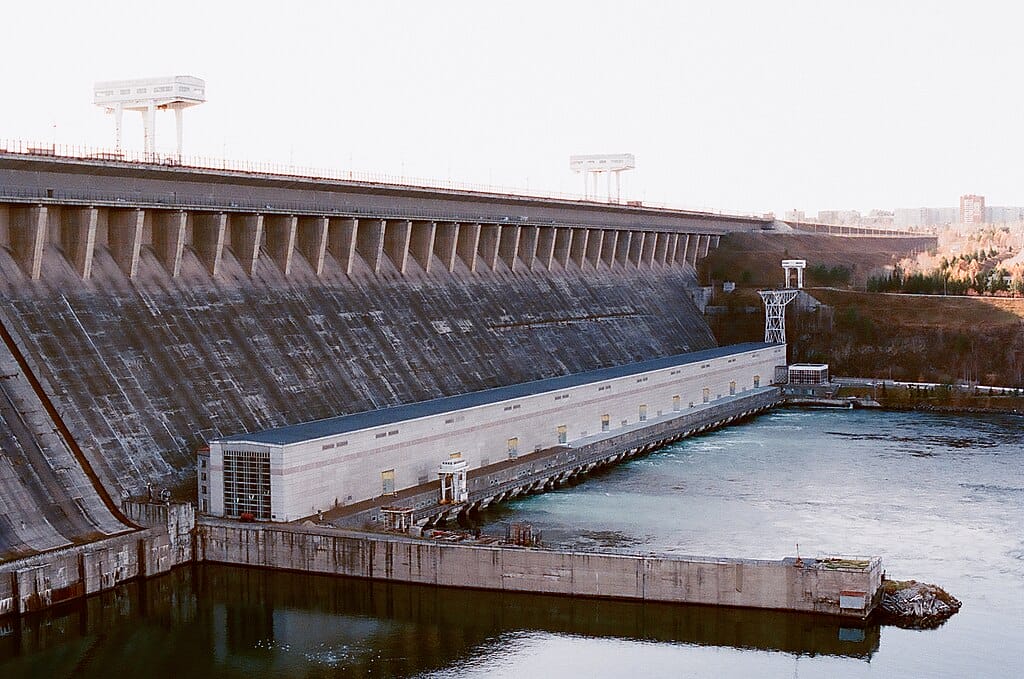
(749, 106)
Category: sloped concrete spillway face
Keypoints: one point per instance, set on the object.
(47, 500)
(145, 369)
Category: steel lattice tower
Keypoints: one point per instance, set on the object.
(775, 302)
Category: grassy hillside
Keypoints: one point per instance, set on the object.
(753, 259)
(914, 337)
(902, 337)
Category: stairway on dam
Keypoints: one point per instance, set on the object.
(144, 370)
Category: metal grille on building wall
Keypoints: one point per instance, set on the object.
(247, 483)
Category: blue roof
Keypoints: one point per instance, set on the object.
(342, 424)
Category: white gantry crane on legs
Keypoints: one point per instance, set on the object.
(149, 95)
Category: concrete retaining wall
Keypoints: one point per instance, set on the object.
(54, 577)
(784, 584)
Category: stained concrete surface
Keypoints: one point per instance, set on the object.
(144, 370)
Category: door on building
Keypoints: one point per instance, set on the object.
(675, 404)
(606, 422)
(643, 412)
(732, 388)
(513, 447)
(563, 434)
(757, 381)
(707, 394)
(387, 482)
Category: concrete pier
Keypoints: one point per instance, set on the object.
(124, 238)
(208, 232)
(280, 240)
(341, 242)
(469, 242)
(78, 238)
(246, 233)
(311, 241)
(845, 589)
(490, 238)
(421, 243)
(370, 242)
(546, 246)
(169, 229)
(445, 244)
(28, 237)
(396, 242)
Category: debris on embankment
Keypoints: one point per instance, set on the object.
(916, 605)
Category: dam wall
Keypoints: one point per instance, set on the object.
(787, 584)
(144, 370)
(49, 497)
(50, 578)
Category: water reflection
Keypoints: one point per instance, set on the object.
(225, 621)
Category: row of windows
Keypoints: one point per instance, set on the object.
(605, 421)
(144, 90)
(562, 432)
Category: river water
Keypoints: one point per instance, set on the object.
(940, 498)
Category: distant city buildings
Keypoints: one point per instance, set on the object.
(1004, 215)
(876, 218)
(924, 216)
(972, 209)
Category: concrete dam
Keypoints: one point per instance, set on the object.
(147, 309)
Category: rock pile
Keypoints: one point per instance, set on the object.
(916, 605)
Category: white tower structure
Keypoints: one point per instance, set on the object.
(595, 165)
(775, 302)
(148, 95)
(789, 265)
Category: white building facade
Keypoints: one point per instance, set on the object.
(293, 472)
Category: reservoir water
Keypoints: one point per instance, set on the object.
(940, 498)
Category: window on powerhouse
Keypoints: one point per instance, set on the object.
(247, 483)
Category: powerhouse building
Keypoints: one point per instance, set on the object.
(288, 473)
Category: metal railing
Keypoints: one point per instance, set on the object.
(165, 160)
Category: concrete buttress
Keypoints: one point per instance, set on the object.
(445, 244)
(528, 245)
(469, 242)
(124, 237)
(341, 242)
(595, 239)
(508, 245)
(311, 240)
(578, 248)
(397, 235)
(78, 238)
(421, 243)
(563, 243)
(208, 230)
(489, 240)
(546, 246)
(28, 237)
(246, 237)
(280, 240)
(370, 242)
(169, 230)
